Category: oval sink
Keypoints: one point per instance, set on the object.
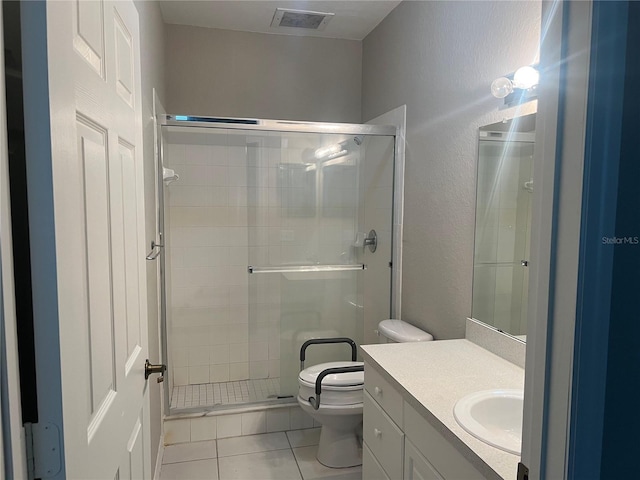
(493, 416)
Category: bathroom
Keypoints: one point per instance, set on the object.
(353, 96)
(379, 120)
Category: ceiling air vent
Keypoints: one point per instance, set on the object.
(301, 19)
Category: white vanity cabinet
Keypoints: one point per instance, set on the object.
(399, 443)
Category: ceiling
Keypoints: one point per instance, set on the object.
(353, 19)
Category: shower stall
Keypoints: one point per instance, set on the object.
(270, 233)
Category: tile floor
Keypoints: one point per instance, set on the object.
(277, 456)
(210, 394)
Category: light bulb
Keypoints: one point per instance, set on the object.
(501, 87)
(526, 77)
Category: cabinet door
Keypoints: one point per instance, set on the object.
(416, 467)
(371, 469)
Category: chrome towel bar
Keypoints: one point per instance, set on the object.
(306, 268)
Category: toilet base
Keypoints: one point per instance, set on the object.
(339, 445)
(339, 448)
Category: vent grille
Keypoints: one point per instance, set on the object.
(301, 19)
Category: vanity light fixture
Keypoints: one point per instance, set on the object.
(517, 88)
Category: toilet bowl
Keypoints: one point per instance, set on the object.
(339, 407)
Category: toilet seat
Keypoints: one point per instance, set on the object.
(337, 389)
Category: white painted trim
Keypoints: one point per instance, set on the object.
(556, 228)
(157, 470)
(11, 425)
(398, 118)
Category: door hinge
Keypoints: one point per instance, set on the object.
(523, 471)
(43, 449)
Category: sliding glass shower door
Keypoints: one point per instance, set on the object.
(304, 269)
(266, 234)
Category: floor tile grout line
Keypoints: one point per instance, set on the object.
(294, 455)
(253, 453)
(217, 459)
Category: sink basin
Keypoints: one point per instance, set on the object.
(493, 416)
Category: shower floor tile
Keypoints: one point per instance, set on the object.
(225, 393)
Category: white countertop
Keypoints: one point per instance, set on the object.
(433, 376)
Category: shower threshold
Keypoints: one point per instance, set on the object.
(225, 393)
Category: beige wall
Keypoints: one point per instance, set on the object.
(152, 59)
(439, 58)
(242, 74)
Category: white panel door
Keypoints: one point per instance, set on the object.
(95, 290)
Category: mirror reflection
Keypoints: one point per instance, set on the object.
(503, 224)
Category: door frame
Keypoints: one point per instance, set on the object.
(558, 173)
(12, 441)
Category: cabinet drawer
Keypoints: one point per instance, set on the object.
(383, 437)
(382, 392)
(443, 456)
(371, 469)
(416, 467)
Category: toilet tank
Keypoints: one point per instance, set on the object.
(397, 331)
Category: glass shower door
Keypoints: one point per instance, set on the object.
(307, 272)
(265, 250)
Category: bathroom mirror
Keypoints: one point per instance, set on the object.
(503, 224)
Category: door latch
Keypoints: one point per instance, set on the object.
(150, 368)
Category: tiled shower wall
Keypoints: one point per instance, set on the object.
(208, 232)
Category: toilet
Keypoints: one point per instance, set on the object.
(340, 406)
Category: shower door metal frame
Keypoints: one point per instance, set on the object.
(275, 125)
(265, 125)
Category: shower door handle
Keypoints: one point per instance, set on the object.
(150, 368)
(153, 254)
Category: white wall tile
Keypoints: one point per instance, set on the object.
(177, 431)
(238, 371)
(274, 346)
(193, 297)
(181, 376)
(220, 335)
(203, 428)
(209, 175)
(299, 419)
(200, 316)
(229, 426)
(254, 423)
(237, 216)
(259, 351)
(180, 357)
(198, 356)
(198, 336)
(238, 256)
(238, 353)
(237, 155)
(199, 374)
(278, 420)
(260, 328)
(238, 314)
(258, 370)
(274, 368)
(219, 354)
(238, 333)
(199, 216)
(219, 373)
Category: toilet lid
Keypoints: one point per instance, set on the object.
(309, 375)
